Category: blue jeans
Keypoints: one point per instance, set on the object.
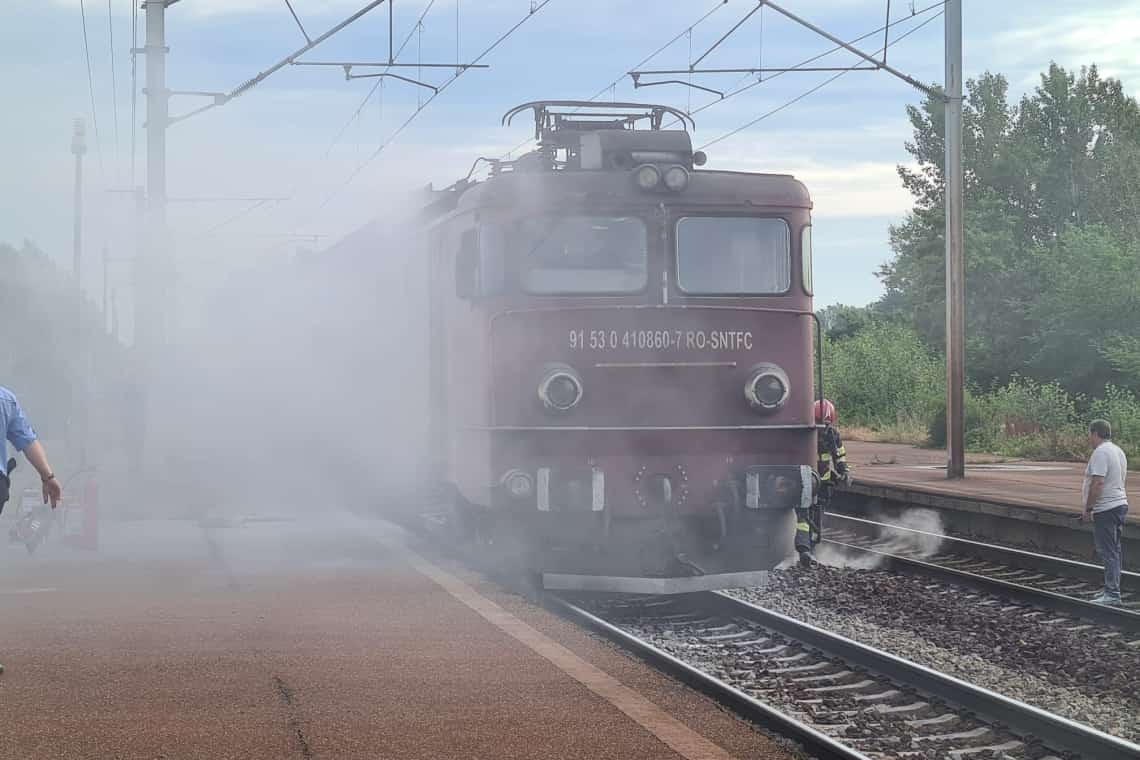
(1108, 526)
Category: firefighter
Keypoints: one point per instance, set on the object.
(832, 466)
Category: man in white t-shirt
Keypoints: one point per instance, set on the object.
(1106, 503)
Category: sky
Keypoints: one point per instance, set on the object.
(297, 137)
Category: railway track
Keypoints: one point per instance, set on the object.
(840, 698)
(1041, 582)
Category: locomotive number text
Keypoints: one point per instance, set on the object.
(661, 340)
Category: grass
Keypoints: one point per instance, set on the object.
(912, 433)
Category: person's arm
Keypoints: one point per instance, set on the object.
(1097, 469)
(23, 437)
(839, 452)
(836, 454)
(37, 457)
(1096, 486)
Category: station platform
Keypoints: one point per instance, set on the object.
(327, 639)
(1046, 486)
(1001, 499)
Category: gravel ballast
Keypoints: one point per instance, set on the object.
(1065, 667)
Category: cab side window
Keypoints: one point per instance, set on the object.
(479, 265)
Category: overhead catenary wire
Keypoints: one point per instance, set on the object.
(364, 103)
(91, 91)
(814, 58)
(535, 8)
(687, 30)
(289, 59)
(745, 88)
(235, 217)
(814, 89)
(223, 98)
(887, 32)
(297, 18)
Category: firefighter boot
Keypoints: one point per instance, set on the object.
(803, 537)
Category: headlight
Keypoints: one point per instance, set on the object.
(676, 178)
(517, 483)
(648, 176)
(560, 389)
(767, 388)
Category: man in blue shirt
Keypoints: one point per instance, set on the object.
(20, 434)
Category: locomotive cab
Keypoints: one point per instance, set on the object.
(621, 356)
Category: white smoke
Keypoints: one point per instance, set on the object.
(916, 533)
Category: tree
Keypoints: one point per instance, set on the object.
(1080, 136)
(841, 321)
(1123, 353)
(1068, 156)
(882, 376)
(1091, 313)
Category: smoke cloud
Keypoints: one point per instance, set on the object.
(299, 387)
(918, 535)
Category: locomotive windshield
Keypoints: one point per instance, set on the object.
(733, 255)
(581, 254)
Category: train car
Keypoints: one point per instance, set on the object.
(621, 356)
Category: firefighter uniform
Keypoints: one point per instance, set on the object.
(832, 456)
(831, 466)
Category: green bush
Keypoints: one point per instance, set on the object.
(981, 433)
(1031, 420)
(1068, 445)
(883, 376)
(1026, 403)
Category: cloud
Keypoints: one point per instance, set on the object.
(856, 189)
(1107, 36)
(839, 189)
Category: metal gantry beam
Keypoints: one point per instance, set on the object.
(348, 66)
(251, 83)
(385, 64)
(923, 87)
(875, 63)
(753, 70)
(221, 98)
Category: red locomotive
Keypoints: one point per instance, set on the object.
(621, 356)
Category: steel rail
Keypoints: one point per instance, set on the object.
(1054, 730)
(1120, 617)
(744, 705)
(1009, 555)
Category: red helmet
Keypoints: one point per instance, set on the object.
(825, 412)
